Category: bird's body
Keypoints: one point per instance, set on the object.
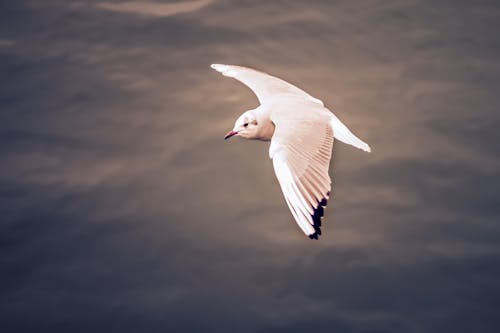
(301, 130)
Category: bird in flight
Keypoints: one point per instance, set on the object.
(301, 130)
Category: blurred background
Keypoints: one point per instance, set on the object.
(124, 210)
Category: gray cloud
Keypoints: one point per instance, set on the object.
(155, 8)
(123, 208)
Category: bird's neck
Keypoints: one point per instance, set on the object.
(266, 127)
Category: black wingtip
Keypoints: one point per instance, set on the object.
(317, 215)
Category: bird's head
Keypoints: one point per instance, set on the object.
(245, 126)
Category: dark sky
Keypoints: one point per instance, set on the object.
(124, 210)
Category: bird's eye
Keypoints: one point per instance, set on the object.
(245, 124)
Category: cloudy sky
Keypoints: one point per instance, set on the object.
(123, 210)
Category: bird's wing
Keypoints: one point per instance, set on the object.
(301, 149)
(264, 86)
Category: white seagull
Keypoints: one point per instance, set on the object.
(301, 130)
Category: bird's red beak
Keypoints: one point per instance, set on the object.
(230, 134)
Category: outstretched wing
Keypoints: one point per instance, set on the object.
(264, 86)
(301, 149)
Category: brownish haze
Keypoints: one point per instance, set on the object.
(124, 210)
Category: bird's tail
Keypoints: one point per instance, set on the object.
(342, 133)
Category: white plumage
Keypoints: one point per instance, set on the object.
(301, 131)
